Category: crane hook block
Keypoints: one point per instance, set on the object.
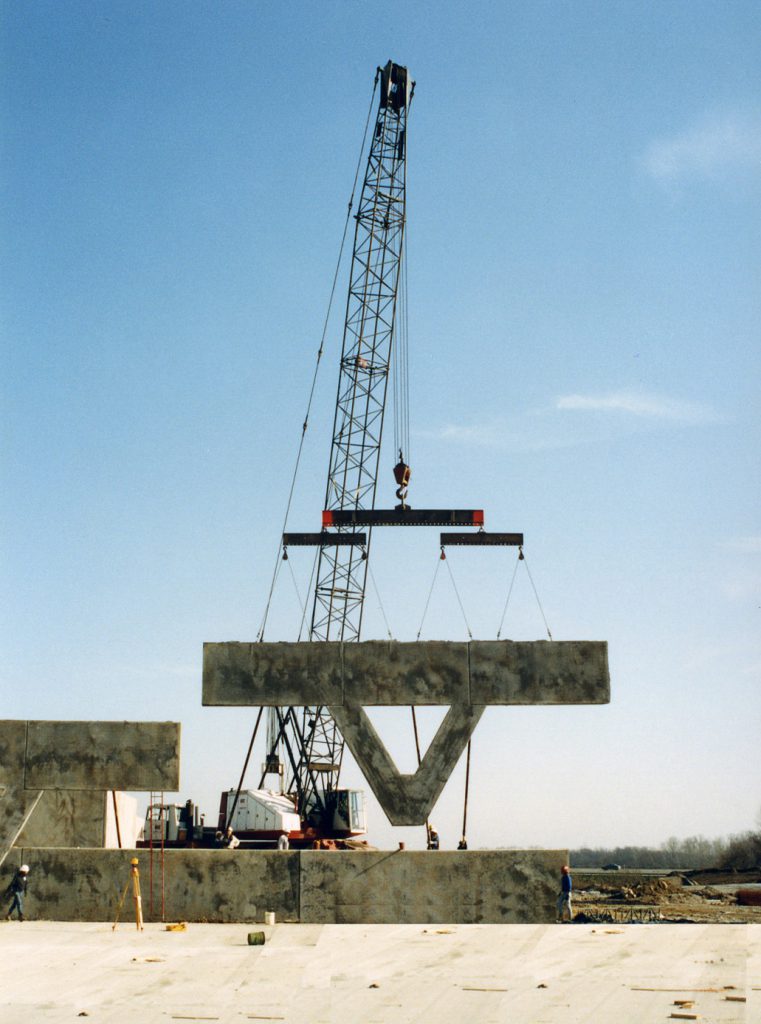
(402, 473)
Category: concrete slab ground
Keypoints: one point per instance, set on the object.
(448, 974)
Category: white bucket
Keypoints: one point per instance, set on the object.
(269, 916)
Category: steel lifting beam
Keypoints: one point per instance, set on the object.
(482, 539)
(324, 539)
(402, 517)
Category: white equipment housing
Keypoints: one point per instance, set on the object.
(262, 810)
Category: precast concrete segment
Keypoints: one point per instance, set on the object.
(422, 887)
(392, 673)
(384, 672)
(66, 817)
(38, 756)
(540, 672)
(407, 799)
(12, 752)
(139, 756)
(198, 885)
(17, 806)
(277, 674)
(370, 887)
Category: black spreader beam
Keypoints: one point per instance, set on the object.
(482, 539)
(324, 540)
(403, 517)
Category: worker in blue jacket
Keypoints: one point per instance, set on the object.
(17, 889)
(564, 899)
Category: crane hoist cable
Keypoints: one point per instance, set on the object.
(459, 599)
(380, 602)
(320, 351)
(302, 602)
(536, 595)
(309, 589)
(417, 751)
(518, 561)
(464, 841)
(439, 560)
(522, 558)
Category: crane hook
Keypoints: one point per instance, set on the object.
(402, 473)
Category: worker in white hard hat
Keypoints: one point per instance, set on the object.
(433, 838)
(17, 890)
(230, 840)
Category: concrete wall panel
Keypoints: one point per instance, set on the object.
(66, 818)
(12, 752)
(199, 885)
(406, 887)
(421, 887)
(103, 755)
(17, 805)
(539, 672)
(387, 672)
(278, 674)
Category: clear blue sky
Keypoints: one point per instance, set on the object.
(584, 239)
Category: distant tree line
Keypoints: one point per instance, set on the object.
(741, 852)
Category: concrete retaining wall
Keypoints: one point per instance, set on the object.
(312, 886)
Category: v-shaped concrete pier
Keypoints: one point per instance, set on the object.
(348, 677)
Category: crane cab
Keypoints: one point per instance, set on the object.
(349, 814)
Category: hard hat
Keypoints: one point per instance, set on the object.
(24, 869)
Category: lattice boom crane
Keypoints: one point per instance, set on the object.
(312, 743)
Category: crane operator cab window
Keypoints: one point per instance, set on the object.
(350, 815)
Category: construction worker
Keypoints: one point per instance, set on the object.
(17, 889)
(282, 841)
(433, 838)
(230, 841)
(564, 898)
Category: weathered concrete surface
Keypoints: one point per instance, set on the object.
(391, 673)
(421, 887)
(199, 885)
(524, 974)
(103, 755)
(66, 818)
(38, 756)
(467, 677)
(310, 885)
(383, 672)
(239, 674)
(16, 803)
(407, 799)
(540, 672)
(12, 752)
(16, 808)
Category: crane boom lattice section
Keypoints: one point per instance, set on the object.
(358, 424)
(365, 359)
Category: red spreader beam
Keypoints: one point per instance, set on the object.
(402, 517)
